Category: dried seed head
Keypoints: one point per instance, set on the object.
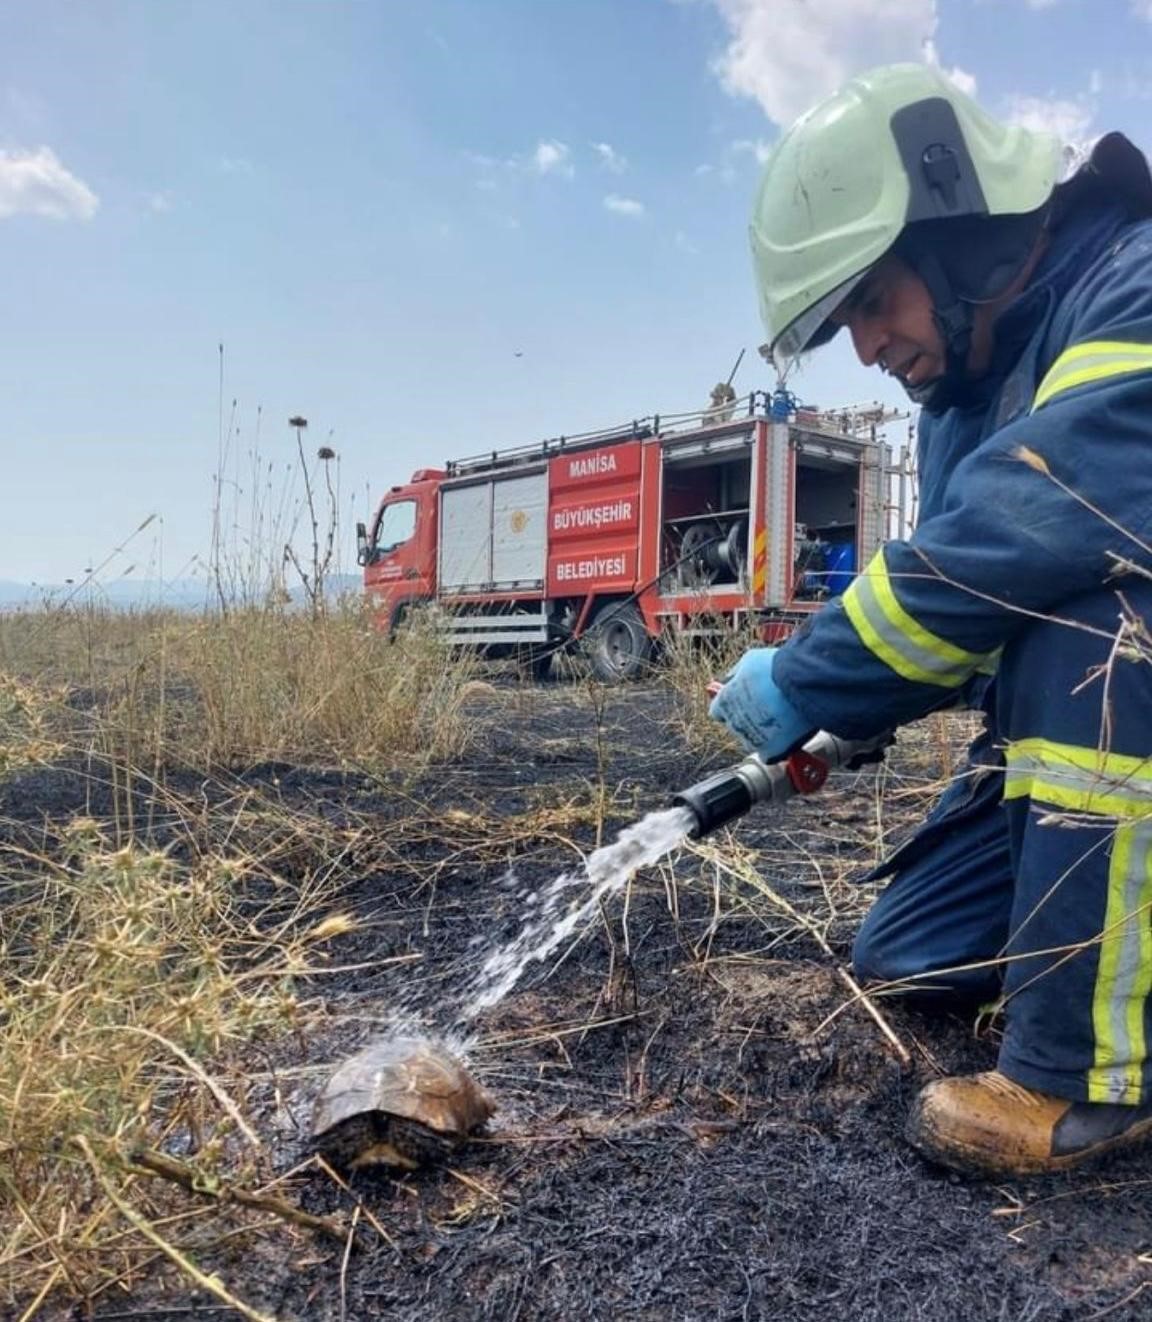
(1032, 459)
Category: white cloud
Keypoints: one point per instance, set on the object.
(964, 80)
(488, 170)
(552, 157)
(624, 206)
(684, 243)
(760, 149)
(160, 202)
(738, 157)
(610, 158)
(548, 157)
(1142, 9)
(34, 183)
(1069, 118)
(789, 54)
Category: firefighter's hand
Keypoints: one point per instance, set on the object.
(751, 705)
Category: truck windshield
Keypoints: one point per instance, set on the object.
(396, 524)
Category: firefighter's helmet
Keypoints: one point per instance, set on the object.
(893, 151)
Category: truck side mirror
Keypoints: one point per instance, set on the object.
(363, 550)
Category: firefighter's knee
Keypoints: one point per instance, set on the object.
(901, 961)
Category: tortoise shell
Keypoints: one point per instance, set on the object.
(401, 1101)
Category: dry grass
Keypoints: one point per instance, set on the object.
(130, 984)
(27, 735)
(256, 684)
(688, 665)
(133, 980)
(135, 983)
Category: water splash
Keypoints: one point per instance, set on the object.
(555, 912)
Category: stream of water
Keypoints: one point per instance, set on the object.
(555, 911)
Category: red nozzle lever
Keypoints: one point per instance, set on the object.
(806, 771)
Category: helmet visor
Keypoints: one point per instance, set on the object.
(812, 328)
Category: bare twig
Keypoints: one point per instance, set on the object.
(199, 1072)
(212, 1284)
(859, 995)
(169, 1168)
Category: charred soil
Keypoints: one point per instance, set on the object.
(694, 1121)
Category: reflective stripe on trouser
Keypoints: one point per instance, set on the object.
(1077, 984)
(900, 641)
(1114, 792)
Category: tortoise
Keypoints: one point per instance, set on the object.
(403, 1101)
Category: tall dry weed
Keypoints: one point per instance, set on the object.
(691, 660)
(257, 683)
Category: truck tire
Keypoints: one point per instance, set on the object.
(617, 643)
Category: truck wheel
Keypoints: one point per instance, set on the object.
(617, 643)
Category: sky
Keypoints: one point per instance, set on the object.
(431, 227)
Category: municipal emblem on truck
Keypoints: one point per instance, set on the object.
(518, 520)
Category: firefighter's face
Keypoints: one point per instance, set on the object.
(889, 316)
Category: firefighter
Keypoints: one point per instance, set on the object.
(1006, 282)
(721, 404)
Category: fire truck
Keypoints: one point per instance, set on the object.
(754, 515)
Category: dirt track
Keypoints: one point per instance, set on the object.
(682, 1132)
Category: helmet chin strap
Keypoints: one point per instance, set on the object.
(953, 318)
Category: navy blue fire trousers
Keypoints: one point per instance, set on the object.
(1031, 880)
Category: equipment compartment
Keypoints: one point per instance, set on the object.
(705, 499)
(827, 526)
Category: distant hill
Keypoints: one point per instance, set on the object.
(184, 594)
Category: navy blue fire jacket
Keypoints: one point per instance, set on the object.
(1037, 491)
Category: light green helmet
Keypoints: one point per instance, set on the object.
(895, 146)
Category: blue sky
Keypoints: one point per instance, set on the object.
(430, 226)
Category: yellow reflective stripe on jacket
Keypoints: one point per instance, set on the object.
(901, 642)
(1078, 779)
(1095, 360)
(1109, 785)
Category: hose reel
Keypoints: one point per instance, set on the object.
(712, 548)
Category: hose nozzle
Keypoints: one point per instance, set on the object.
(725, 795)
(728, 794)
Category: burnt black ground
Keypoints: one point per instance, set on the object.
(680, 1134)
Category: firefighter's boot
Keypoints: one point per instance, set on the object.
(985, 1124)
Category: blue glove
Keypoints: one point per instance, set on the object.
(751, 705)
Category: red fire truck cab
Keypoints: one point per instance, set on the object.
(612, 540)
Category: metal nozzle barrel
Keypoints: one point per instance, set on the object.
(728, 794)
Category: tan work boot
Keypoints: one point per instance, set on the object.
(988, 1125)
